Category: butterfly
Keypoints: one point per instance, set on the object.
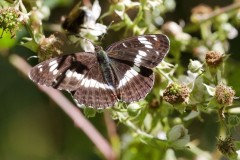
(123, 72)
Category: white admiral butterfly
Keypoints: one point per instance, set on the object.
(122, 72)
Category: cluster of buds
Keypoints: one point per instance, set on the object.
(10, 20)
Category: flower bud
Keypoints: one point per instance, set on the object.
(133, 109)
(172, 28)
(194, 66)
(178, 136)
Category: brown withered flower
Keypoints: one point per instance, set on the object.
(213, 58)
(176, 93)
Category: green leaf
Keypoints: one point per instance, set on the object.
(6, 41)
(237, 144)
(32, 45)
(212, 103)
(180, 107)
(193, 114)
(155, 142)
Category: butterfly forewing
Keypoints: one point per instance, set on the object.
(145, 50)
(64, 72)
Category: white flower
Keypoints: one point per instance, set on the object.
(230, 30)
(90, 26)
(121, 7)
(154, 3)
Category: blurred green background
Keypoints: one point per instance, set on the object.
(32, 127)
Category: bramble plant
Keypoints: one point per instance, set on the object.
(162, 126)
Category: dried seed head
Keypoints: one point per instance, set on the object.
(213, 58)
(176, 93)
(224, 95)
(226, 146)
(49, 47)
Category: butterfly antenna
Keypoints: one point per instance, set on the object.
(106, 31)
(32, 57)
(78, 36)
(95, 46)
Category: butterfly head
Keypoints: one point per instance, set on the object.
(98, 48)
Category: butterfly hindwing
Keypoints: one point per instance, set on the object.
(145, 50)
(133, 82)
(94, 91)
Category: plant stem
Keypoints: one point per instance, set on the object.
(128, 123)
(195, 26)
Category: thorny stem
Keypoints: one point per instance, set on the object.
(72, 111)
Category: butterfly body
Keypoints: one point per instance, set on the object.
(106, 68)
(100, 79)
